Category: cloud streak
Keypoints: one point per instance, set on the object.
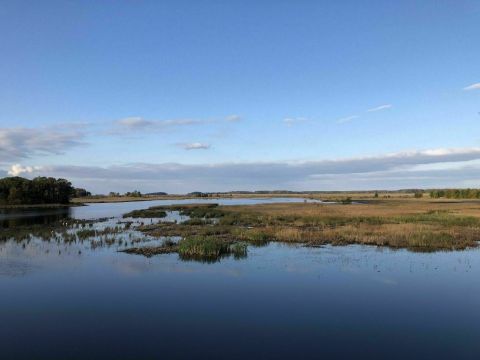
(195, 146)
(380, 108)
(347, 119)
(329, 174)
(137, 124)
(475, 86)
(293, 121)
(233, 118)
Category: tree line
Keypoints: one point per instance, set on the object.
(134, 193)
(40, 190)
(456, 194)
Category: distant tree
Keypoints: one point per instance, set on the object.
(456, 194)
(418, 194)
(134, 193)
(79, 193)
(40, 190)
(198, 194)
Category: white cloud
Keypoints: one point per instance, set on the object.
(233, 118)
(381, 107)
(134, 123)
(347, 119)
(17, 169)
(398, 170)
(195, 146)
(475, 86)
(20, 143)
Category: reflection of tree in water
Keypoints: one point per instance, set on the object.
(10, 218)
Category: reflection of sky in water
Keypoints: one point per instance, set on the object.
(282, 301)
(278, 293)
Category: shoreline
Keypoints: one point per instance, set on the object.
(326, 197)
(186, 197)
(41, 206)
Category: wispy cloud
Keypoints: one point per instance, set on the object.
(134, 123)
(347, 119)
(127, 125)
(138, 124)
(233, 118)
(194, 146)
(475, 86)
(292, 121)
(381, 107)
(20, 143)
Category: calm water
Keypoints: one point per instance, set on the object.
(19, 216)
(61, 301)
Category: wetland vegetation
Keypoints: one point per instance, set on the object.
(210, 231)
(414, 225)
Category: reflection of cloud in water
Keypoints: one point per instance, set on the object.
(25, 258)
(133, 265)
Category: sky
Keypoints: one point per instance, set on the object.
(183, 96)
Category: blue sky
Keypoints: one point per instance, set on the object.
(116, 94)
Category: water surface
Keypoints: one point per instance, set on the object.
(72, 301)
(45, 215)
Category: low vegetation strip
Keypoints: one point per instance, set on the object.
(202, 248)
(150, 251)
(206, 211)
(153, 212)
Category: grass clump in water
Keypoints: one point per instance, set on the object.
(203, 247)
(239, 250)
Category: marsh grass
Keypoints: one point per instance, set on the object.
(215, 231)
(57, 231)
(152, 212)
(239, 250)
(197, 221)
(168, 247)
(416, 225)
(89, 233)
(202, 247)
(204, 211)
(440, 218)
(255, 236)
